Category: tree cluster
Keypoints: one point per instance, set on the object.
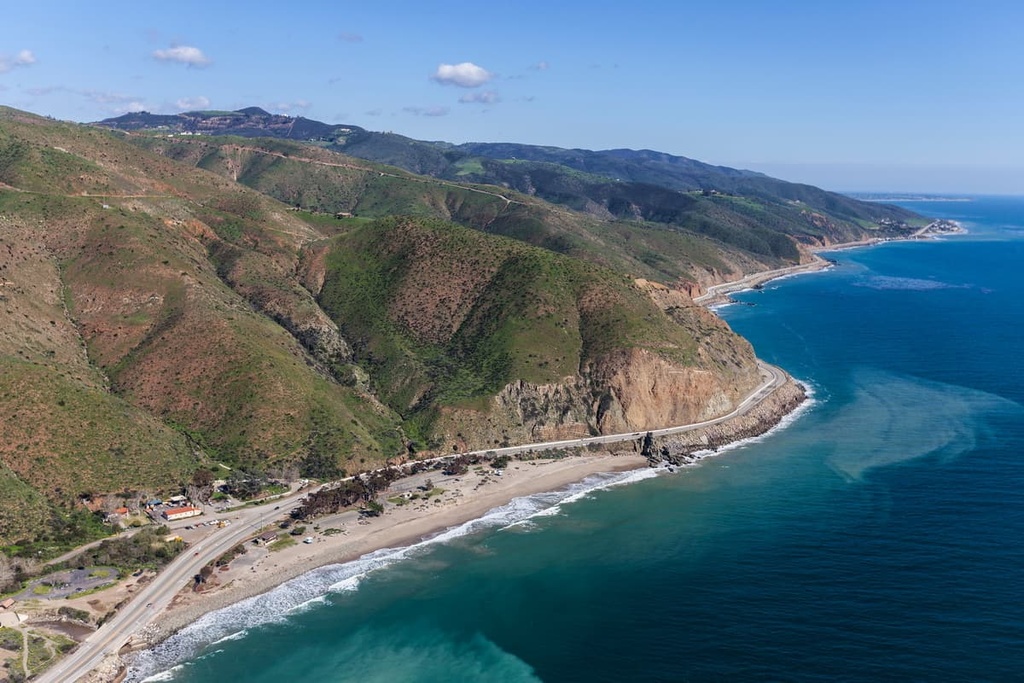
(457, 466)
(244, 484)
(362, 489)
(145, 549)
(14, 570)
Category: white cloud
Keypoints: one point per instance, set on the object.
(114, 103)
(45, 90)
(130, 107)
(23, 58)
(485, 97)
(350, 37)
(541, 66)
(192, 103)
(375, 112)
(464, 75)
(109, 102)
(287, 107)
(427, 111)
(107, 98)
(183, 54)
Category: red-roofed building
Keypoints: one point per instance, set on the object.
(172, 514)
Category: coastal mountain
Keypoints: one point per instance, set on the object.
(701, 225)
(177, 303)
(151, 325)
(480, 341)
(324, 182)
(728, 205)
(159, 318)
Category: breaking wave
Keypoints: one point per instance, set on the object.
(311, 588)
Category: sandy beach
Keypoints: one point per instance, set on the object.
(465, 498)
(410, 516)
(719, 294)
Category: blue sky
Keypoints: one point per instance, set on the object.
(911, 96)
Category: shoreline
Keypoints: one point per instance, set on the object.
(399, 528)
(718, 295)
(463, 503)
(469, 501)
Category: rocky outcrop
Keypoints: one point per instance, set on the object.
(643, 390)
(632, 390)
(274, 293)
(679, 449)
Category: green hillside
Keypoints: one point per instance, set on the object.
(169, 303)
(152, 326)
(440, 315)
(618, 183)
(685, 240)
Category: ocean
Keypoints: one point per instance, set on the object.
(880, 536)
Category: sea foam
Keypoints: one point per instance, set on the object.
(898, 418)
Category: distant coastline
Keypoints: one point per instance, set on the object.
(890, 198)
(720, 294)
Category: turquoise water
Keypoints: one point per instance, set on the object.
(879, 537)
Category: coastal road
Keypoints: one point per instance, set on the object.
(772, 379)
(157, 596)
(721, 291)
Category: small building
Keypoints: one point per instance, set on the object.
(7, 604)
(266, 538)
(177, 500)
(121, 511)
(172, 514)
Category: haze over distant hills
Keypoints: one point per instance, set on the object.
(261, 299)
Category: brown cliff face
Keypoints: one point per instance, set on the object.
(489, 342)
(643, 391)
(679, 448)
(630, 390)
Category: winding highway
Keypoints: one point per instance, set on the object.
(148, 603)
